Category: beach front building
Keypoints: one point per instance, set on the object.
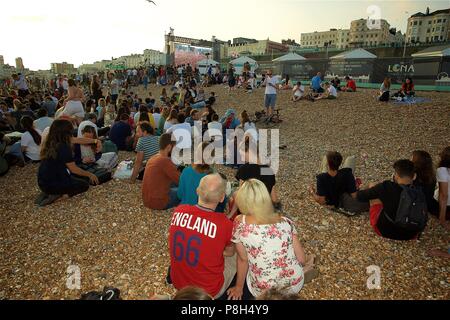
(366, 32)
(253, 47)
(62, 68)
(429, 27)
(154, 57)
(336, 38)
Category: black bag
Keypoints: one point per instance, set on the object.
(412, 212)
(108, 294)
(4, 165)
(103, 175)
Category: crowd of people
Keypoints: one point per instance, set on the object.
(228, 240)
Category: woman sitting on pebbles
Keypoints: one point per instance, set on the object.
(56, 172)
(269, 251)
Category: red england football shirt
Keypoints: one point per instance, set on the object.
(197, 240)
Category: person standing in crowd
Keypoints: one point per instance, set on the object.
(231, 78)
(96, 88)
(214, 266)
(73, 103)
(159, 187)
(56, 172)
(114, 89)
(271, 93)
(20, 82)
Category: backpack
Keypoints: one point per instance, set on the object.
(412, 212)
(4, 165)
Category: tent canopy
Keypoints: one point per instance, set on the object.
(354, 54)
(439, 51)
(292, 56)
(239, 64)
(207, 62)
(241, 60)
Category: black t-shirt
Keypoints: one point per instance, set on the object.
(254, 171)
(389, 193)
(53, 173)
(332, 188)
(428, 190)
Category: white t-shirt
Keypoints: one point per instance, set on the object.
(21, 83)
(115, 87)
(183, 134)
(443, 176)
(42, 123)
(85, 124)
(332, 91)
(299, 91)
(272, 80)
(33, 150)
(65, 84)
(74, 109)
(157, 118)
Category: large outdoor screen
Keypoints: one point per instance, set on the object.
(185, 54)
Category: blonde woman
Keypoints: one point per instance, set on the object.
(269, 251)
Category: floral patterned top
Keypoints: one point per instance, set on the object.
(271, 256)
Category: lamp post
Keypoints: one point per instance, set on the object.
(406, 38)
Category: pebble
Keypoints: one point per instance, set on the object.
(134, 255)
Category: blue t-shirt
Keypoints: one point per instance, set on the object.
(119, 133)
(187, 188)
(316, 82)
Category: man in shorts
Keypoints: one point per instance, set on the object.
(271, 93)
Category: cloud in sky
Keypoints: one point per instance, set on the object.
(84, 31)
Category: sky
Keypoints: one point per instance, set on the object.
(84, 31)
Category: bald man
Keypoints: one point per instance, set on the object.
(201, 251)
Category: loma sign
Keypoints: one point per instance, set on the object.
(401, 68)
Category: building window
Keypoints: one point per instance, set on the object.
(439, 21)
(420, 23)
(415, 23)
(429, 30)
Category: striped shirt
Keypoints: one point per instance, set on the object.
(149, 145)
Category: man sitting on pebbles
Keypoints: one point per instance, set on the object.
(202, 253)
(337, 186)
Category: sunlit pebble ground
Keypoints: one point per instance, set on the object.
(116, 242)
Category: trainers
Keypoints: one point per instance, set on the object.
(49, 200)
(41, 197)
